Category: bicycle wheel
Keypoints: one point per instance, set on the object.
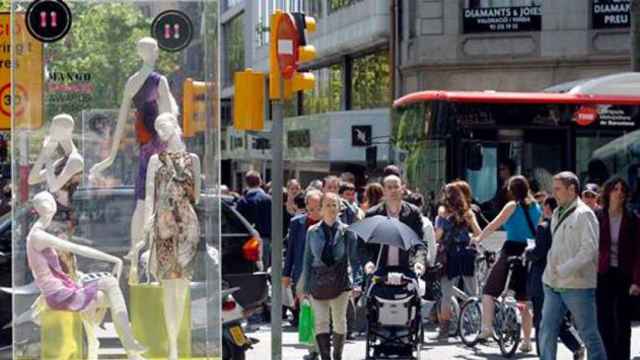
(455, 316)
(510, 327)
(470, 322)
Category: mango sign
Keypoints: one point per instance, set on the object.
(29, 76)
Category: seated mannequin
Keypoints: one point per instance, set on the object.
(60, 291)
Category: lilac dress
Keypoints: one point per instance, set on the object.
(146, 104)
(58, 289)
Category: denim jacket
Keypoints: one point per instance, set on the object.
(346, 244)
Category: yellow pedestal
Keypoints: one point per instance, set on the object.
(147, 319)
(61, 335)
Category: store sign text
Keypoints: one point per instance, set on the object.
(609, 14)
(502, 19)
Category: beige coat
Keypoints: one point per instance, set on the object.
(572, 262)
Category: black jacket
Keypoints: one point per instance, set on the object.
(255, 206)
(411, 216)
(538, 259)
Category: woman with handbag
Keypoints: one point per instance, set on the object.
(330, 272)
(519, 218)
(457, 260)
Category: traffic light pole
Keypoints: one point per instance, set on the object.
(277, 133)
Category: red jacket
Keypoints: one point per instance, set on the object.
(629, 243)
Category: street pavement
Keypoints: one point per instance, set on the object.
(454, 349)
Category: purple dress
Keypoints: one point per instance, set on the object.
(59, 290)
(146, 104)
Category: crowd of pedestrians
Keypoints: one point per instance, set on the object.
(580, 251)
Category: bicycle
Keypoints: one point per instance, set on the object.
(484, 262)
(507, 323)
(435, 294)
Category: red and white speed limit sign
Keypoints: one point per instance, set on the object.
(20, 100)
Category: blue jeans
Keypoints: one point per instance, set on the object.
(582, 304)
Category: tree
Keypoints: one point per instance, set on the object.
(102, 42)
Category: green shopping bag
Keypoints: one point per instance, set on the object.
(306, 324)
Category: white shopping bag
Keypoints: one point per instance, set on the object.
(287, 297)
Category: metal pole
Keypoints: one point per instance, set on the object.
(276, 225)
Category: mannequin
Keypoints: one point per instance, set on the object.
(149, 93)
(62, 293)
(172, 191)
(62, 175)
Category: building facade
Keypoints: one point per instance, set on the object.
(519, 45)
(328, 129)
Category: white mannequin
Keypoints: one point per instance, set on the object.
(175, 290)
(147, 49)
(109, 293)
(60, 134)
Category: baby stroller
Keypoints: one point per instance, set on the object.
(394, 324)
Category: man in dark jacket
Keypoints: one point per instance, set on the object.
(394, 206)
(537, 257)
(255, 206)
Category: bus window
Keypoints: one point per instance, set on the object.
(601, 155)
(611, 155)
(484, 182)
(543, 155)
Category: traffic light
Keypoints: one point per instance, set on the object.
(248, 110)
(288, 48)
(304, 80)
(194, 107)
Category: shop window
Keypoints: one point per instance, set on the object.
(328, 91)
(335, 5)
(370, 81)
(233, 33)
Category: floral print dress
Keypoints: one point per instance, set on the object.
(176, 230)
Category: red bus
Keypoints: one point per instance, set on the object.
(592, 129)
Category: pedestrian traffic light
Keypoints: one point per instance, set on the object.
(248, 110)
(289, 48)
(194, 117)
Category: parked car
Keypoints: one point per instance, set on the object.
(104, 219)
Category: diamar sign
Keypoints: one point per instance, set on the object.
(28, 75)
(609, 14)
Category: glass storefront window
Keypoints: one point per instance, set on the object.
(108, 117)
(370, 81)
(233, 32)
(335, 5)
(328, 92)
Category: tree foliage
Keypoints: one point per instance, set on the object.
(102, 42)
(371, 81)
(328, 91)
